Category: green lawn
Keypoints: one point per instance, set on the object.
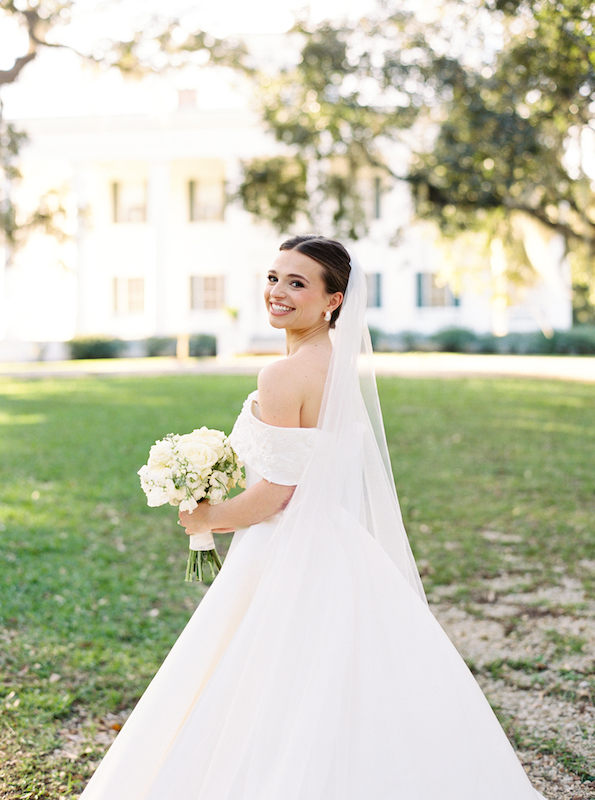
(92, 594)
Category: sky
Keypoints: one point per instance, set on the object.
(56, 83)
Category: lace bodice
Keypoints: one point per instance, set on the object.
(278, 455)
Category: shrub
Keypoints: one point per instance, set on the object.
(160, 346)
(203, 344)
(95, 347)
(490, 344)
(579, 341)
(376, 338)
(456, 340)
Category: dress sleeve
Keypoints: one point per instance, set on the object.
(278, 455)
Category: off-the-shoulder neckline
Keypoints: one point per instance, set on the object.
(252, 399)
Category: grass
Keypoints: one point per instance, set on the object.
(506, 457)
(492, 474)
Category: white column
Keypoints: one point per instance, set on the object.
(158, 209)
(84, 188)
(3, 299)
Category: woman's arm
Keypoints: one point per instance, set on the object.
(256, 504)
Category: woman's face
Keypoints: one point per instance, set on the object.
(295, 294)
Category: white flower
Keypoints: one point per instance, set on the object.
(218, 478)
(214, 439)
(199, 493)
(199, 455)
(161, 455)
(183, 470)
(216, 496)
(193, 481)
(176, 496)
(188, 505)
(156, 496)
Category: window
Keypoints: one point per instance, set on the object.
(129, 201)
(129, 295)
(371, 190)
(206, 200)
(207, 292)
(432, 291)
(374, 290)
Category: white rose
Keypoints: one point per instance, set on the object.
(200, 456)
(215, 439)
(161, 455)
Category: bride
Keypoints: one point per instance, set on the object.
(313, 668)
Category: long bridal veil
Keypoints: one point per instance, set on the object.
(350, 470)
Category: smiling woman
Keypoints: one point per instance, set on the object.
(319, 602)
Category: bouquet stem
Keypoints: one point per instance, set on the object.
(199, 560)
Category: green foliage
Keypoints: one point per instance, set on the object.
(202, 344)
(160, 346)
(494, 100)
(455, 340)
(579, 341)
(11, 140)
(95, 347)
(275, 189)
(510, 137)
(328, 112)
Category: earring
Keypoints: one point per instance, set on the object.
(327, 316)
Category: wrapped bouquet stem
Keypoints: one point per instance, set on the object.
(184, 470)
(203, 554)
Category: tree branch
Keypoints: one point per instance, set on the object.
(560, 227)
(10, 75)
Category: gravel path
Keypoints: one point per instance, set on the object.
(533, 653)
(418, 365)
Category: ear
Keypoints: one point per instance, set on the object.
(335, 301)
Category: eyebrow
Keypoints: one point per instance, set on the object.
(291, 275)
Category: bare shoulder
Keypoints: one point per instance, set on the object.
(279, 395)
(290, 390)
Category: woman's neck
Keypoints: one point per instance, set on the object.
(297, 339)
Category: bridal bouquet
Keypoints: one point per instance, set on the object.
(184, 470)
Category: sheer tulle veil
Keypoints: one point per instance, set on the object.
(350, 470)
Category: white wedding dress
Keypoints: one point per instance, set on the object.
(312, 670)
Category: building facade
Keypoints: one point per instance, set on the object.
(157, 246)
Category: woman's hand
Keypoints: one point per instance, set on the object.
(254, 505)
(196, 521)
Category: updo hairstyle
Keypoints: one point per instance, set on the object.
(332, 257)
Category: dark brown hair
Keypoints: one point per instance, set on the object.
(332, 257)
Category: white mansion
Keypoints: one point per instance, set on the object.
(156, 248)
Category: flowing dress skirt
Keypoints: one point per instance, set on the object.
(311, 673)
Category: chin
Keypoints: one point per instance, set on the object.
(277, 322)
